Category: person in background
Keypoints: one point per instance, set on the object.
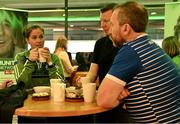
(171, 46)
(83, 60)
(103, 56)
(177, 29)
(104, 51)
(142, 74)
(61, 52)
(28, 68)
(70, 57)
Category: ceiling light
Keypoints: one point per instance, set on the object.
(58, 29)
(153, 13)
(156, 17)
(71, 25)
(83, 10)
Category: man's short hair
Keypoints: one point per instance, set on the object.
(134, 14)
(108, 7)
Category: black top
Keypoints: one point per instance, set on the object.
(103, 55)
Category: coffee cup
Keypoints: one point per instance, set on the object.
(89, 92)
(41, 58)
(59, 92)
(53, 85)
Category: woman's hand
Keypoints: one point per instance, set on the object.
(78, 81)
(34, 55)
(46, 54)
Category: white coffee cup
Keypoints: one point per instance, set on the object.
(41, 58)
(89, 92)
(59, 92)
(53, 84)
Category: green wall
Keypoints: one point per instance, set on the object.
(172, 12)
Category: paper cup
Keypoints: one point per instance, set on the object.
(59, 92)
(89, 92)
(41, 58)
(52, 83)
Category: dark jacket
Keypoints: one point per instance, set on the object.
(10, 99)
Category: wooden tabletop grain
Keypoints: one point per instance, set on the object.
(48, 108)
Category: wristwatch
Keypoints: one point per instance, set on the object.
(51, 65)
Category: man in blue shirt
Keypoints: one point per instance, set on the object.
(141, 74)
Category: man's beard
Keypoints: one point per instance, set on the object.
(115, 43)
(118, 43)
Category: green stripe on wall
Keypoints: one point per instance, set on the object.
(46, 19)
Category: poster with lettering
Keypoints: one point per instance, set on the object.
(6, 69)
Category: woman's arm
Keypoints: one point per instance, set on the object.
(23, 69)
(56, 70)
(66, 62)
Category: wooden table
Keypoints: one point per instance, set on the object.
(47, 108)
